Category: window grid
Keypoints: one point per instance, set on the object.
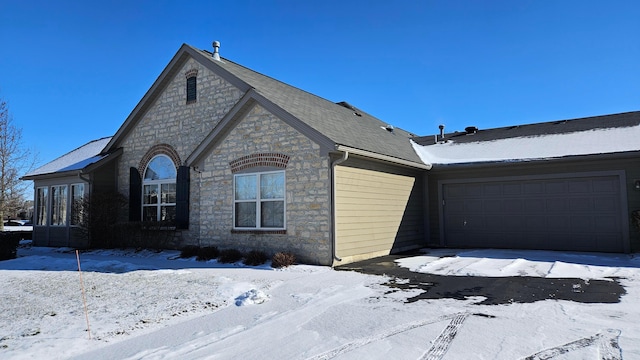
(259, 201)
(159, 190)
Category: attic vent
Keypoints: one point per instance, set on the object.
(346, 105)
(216, 47)
(389, 128)
(471, 129)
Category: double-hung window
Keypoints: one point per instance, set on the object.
(159, 190)
(259, 200)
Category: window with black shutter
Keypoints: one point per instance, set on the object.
(191, 90)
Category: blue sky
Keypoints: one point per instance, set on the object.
(72, 71)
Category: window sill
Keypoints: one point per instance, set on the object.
(259, 231)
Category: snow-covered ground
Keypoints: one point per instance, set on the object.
(145, 305)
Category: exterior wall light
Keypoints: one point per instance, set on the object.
(637, 184)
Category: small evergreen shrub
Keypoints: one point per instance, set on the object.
(189, 251)
(282, 259)
(255, 258)
(9, 245)
(229, 256)
(207, 253)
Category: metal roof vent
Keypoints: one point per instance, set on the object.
(216, 47)
(471, 129)
(389, 128)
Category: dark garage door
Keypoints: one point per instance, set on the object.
(577, 213)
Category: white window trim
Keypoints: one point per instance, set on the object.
(65, 216)
(258, 201)
(37, 215)
(159, 205)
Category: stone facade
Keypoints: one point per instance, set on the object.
(171, 122)
(174, 127)
(307, 189)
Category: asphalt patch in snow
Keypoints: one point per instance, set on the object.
(494, 290)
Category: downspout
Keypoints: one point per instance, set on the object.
(345, 156)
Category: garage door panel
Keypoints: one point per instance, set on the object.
(606, 204)
(579, 186)
(582, 213)
(557, 205)
(604, 185)
(513, 205)
(558, 223)
(581, 204)
(556, 187)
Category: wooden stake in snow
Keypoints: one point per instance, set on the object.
(84, 298)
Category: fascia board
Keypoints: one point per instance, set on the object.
(391, 159)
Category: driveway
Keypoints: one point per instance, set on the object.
(494, 290)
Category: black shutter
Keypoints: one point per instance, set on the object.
(135, 195)
(182, 198)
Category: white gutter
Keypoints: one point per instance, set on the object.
(383, 157)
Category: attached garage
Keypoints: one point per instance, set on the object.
(577, 212)
(378, 210)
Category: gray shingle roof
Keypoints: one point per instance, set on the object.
(344, 126)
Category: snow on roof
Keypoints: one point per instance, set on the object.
(77, 159)
(597, 141)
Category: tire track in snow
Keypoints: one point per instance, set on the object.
(455, 318)
(442, 342)
(608, 348)
(607, 343)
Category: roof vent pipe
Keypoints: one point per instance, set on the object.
(441, 127)
(216, 46)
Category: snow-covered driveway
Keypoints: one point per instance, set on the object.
(153, 306)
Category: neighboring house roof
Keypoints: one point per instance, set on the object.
(78, 160)
(335, 125)
(586, 136)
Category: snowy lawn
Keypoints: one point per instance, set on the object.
(145, 305)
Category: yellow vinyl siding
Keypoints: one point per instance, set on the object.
(373, 212)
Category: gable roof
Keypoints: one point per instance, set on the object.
(80, 160)
(605, 134)
(334, 125)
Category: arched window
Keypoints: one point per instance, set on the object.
(159, 190)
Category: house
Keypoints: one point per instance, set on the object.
(562, 185)
(228, 157)
(240, 160)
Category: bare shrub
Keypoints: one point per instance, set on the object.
(189, 251)
(229, 256)
(207, 253)
(282, 259)
(255, 258)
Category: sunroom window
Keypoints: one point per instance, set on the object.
(159, 190)
(59, 205)
(42, 199)
(77, 204)
(259, 200)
